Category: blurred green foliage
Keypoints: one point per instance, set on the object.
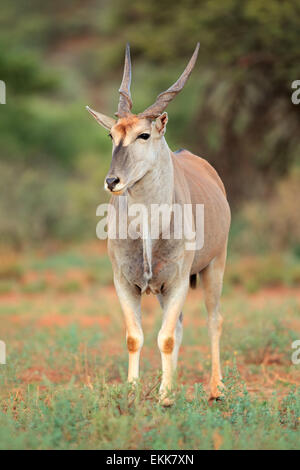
(236, 110)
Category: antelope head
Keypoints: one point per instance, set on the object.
(137, 138)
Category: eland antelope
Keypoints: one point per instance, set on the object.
(145, 171)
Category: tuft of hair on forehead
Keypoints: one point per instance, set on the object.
(126, 123)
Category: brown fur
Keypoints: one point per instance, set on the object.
(168, 346)
(154, 175)
(126, 124)
(132, 344)
(182, 178)
(196, 177)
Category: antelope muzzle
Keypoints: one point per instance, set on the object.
(112, 182)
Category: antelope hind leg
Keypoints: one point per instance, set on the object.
(212, 277)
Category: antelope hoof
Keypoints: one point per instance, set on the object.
(166, 400)
(132, 384)
(216, 392)
(213, 399)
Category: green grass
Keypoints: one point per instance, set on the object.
(269, 270)
(78, 417)
(64, 384)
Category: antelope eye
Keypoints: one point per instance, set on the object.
(109, 135)
(144, 136)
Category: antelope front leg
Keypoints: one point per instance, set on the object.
(170, 335)
(130, 300)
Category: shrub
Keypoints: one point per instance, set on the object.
(273, 223)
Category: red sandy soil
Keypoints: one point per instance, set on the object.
(271, 374)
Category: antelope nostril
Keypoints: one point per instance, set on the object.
(112, 182)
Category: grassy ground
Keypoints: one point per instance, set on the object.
(63, 386)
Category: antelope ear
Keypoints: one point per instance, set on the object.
(105, 121)
(161, 123)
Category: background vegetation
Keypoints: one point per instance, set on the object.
(236, 110)
(64, 351)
